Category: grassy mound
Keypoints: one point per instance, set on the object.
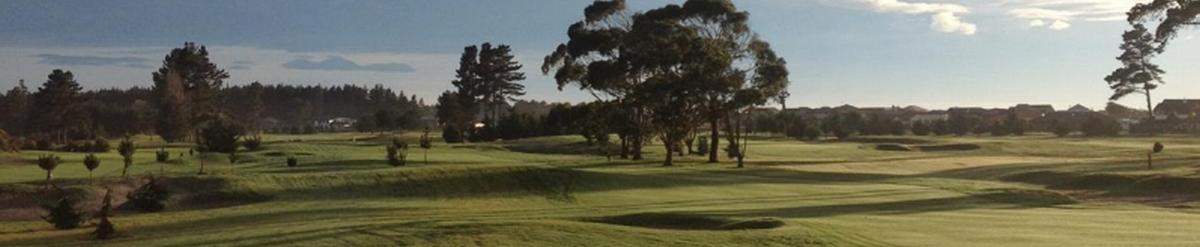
(683, 221)
(1029, 197)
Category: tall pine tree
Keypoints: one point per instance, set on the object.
(55, 103)
(200, 80)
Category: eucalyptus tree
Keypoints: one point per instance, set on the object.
(594, 59)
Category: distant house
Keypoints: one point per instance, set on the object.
(1079, 109)
(929, 117)
(1030, 112)
(337, 124)
(1177, 109)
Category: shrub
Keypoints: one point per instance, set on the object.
(91, 163)
(100, 146)
(48, 163)
(450, 134)
(45, 145)
(812, 132)
(702, 149)
(292, 162)
(252, 143)
(841, 133)
(397, 153)
(105, 229)
(221, 136)
(162, 155)
(150, 197)
(126, 149)
(63, 214)
(921, 128)
(1101, 126)
(8, 144)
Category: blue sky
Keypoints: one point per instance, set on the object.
(934, 53)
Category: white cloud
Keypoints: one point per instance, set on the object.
(1058, 14)
(1059, 25)
(946, 17)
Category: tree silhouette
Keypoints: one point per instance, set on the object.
(126, 149)
(1137, 74)
(55, 102)
(186, 85)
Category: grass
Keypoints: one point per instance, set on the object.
(1013, 191)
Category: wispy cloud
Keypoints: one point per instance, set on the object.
(945, 17)
(70, 60)
(1059, 14)
(341, 63)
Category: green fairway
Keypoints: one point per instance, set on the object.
(1013, 191)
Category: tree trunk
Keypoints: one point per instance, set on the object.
(670, 153)
(624, 147)
(714, 140)
(1150, 161)
(125, 170)
(1149, 107)
(48, 177)
(201, 164)
(637, 147)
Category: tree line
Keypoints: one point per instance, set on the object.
(188, 95)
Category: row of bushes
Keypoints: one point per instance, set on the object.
(79, 146)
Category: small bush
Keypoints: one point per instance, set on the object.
(397, 153)
(450, 134)
(221, 136)
(150, 197)
(702, 149)
(63, 214)
(91, 162)
(105, 229)
(162, 156)
(813, 133)
(292, 162)
(48, 163)
(100, 146)
(252, 143)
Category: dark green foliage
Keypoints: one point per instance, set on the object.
(8, 144)
(221, 136)
(1137, 74)
(252, 143)
(962, 124)
(813, 133)
(999, 129)
(292, 162)
(702, 149)
(150, 197)
(185, 89)
(105, 229)
(921, 128)
(48, 163)
(233, 158)
(451, 134)
(939, 127)
(91, 162)
(161, 156)
(1100, 126)
(1158, 147)
(100, 145)
(1061, 128)
(63, 214)
(55, 103)
(426, 144)
(126, 149)
(397, 153)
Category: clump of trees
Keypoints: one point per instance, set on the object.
(1097, 126)
(670, 67)
(486, 80)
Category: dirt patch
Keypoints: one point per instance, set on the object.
(23, 201)
(682, 221)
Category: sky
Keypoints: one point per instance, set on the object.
(931, 53)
